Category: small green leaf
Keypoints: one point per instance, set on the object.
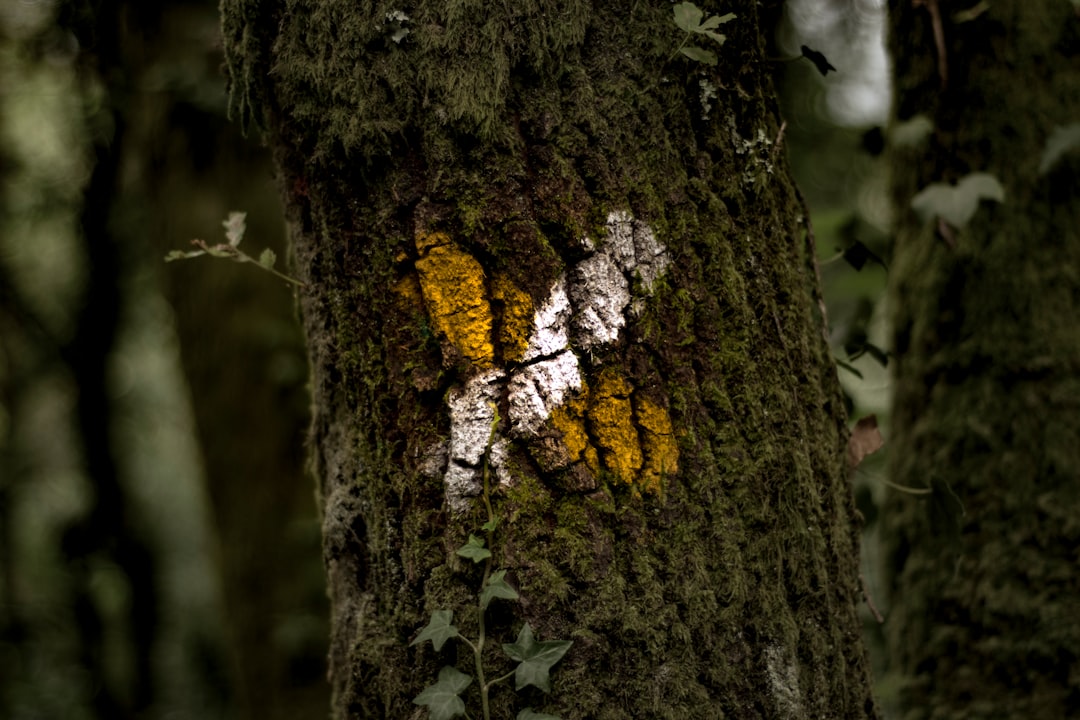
(530, 714)
(234, 226)
(268, 258)
(438, 630)
(1061, 140)
(181, 255)
(536, 658)
(442, 699)
(490, 525)
(688, 16)
(474, 550)
(700, 54)
(497, 587)
(957, 204)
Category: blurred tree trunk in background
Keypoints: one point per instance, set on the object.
(241, 353)
(544, 211)
(244, 360)
(985, 595)
(165, 167)
(109, 531)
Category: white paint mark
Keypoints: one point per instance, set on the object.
(600, 284)
(498, 460)
(599, 293)
(551, 325)
(539, 388)
(471, 414)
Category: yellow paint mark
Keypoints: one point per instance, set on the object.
(517, 317)
(452, 282)
(569, 419)
(612, 422)
(658, 438)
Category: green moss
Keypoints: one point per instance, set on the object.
(516, 130)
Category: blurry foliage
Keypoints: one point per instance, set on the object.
(69, 611)
(836, 146)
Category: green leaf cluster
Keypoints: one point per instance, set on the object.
(691, 19)
(535, 658)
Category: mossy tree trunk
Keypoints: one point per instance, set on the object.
(985, 607)
(539, 217)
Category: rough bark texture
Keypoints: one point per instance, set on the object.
(985, 616)
(542, 207)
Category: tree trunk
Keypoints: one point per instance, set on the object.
(985, 595)
(555, 266)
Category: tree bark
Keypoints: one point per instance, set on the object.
(546, 252)
(984, 617)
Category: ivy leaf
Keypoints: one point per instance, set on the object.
(442, 699)
(497, 587)
(1061, 140)
(268, 258)
(530, 714)
(474, 550)
(234, 226)
(700, 54)
(823, 66)
(536, 658)
(438, 630)
(490, 525)
(957, 204)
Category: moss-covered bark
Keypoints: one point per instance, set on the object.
(985, 616)
(542, 206)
